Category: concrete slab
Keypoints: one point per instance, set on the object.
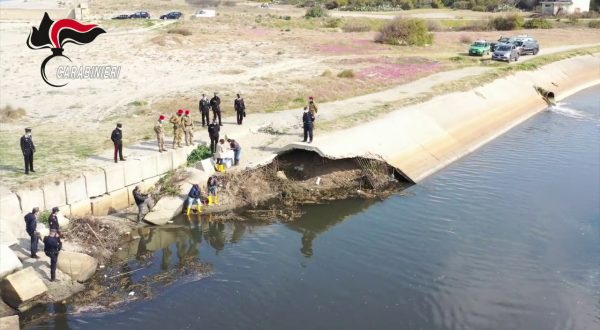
(120, 199)
(9, 322)
(9, 262)
(115, 177)
(149, 166)
(9, 205)
(54, 194)
(166, 208)
(81, 208)
(101, 205)
(5, 311)
(11, 228)
(95, 183)
(179, 157)
(207, 165)
(164, 162)
(132, 171)
(79, 266)
(76, 189)
(148, 184)
(22, 286)
(31, 198)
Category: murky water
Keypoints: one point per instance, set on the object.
(506, 238)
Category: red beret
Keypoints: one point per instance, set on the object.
(161, 117)
(310, 97)
(187, 112)
(180, 111)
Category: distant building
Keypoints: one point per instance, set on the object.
(564, 7)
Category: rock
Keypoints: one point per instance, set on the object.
(22, 286)
(9, 262)
(5, 310)
(166, 209)
(281, 175)
(9, 322)
(77, 265)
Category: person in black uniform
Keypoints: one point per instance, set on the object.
(204, 106)
(52, 246)
(213, 133)
(240, 109)
(215, 104)
(117, 139)
(308, 120)
(31, 226)
(53, 220)
(28, 148)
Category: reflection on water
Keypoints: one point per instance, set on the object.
(507, 238)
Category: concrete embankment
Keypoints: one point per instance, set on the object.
(421, 139)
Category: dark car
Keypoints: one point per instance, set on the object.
(506, 52)
(172, 15)
(140, 14)
(121, 17)
(529, 46)
(501, 40)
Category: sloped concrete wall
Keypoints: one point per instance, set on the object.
(421, 139)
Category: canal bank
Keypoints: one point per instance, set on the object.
(507, 237)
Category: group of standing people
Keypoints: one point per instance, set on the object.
(52, 242)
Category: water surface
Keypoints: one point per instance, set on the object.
(506, 238)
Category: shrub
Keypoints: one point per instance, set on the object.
(595, 24)
(332, 5)
(346, 74)
(9, 113)
(356, 27)
(537, 23)
(507, 23)
(44, 216)
(462, 5)
(333, 22)
(182, 31)
(437, 4)
(326, 73)
(465, 39)
(434, 26)
(476, 26)
(479, 8)
(200, 153)
(407, 5)
(405, 32)
(316, 11)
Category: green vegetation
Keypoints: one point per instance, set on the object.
(200, 153)
(405, 32)
(315, 12)
(507, 23)
(537, 23)
(167, 185)
(595, 24)
(44, 216)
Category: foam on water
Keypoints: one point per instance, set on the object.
(562, 109)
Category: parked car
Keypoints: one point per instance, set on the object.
(203, 13)
(172, 15)
(140, 14)
(528, 46)
(479, 48)
(501, 40)
(124, 16)
(506, 52)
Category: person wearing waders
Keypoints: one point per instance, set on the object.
(52, 246)
(308, 124)
(212, 185)
(213, 134)
(194, 197)
(31, 227)
(204, 107)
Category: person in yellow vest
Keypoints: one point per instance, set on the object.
(177, 128)
(188, 128)
(160, 134)
(312, 106)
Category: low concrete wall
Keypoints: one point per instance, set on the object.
(421, 139)
(99, 192)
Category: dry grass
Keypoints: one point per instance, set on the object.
(10, 114)
(180, 30)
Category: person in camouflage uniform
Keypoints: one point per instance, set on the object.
(160, 134)
(312, 106)
(176, 120)
(188, 128)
